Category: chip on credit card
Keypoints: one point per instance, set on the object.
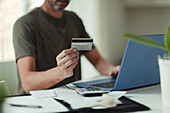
(82, 44)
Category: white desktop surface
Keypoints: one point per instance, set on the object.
(149, 96)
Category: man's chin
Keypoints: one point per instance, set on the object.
(58, 5)
(58, 8)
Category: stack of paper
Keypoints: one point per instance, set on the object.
(78, 101)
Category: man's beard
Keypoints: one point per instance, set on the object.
(61, 7)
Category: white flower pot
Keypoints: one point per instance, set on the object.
(164, 68)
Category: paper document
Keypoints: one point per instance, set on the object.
(117, 94)
(43, 93)
(73, 98)
(47, 105)
(77, 101)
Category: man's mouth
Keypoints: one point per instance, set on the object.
(61, 3)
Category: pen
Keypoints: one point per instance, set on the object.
(28, 106)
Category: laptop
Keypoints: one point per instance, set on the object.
(139, 67)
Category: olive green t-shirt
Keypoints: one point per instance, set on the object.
(42, 36)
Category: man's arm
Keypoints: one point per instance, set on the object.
(33, 80)
(102, 65)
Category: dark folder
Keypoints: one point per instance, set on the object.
(127, 106)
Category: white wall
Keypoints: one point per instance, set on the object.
(113, 26)
(148, 20)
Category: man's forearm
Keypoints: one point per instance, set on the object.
(41, 80)
(104, 67)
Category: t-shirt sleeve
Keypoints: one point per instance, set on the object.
(23, 40)
(81, 28)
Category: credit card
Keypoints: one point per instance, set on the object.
(82, 44)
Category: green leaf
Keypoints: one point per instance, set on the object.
(145, 41)
(167, 39)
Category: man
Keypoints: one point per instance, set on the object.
(42, 42)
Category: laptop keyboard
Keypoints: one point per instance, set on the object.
(93, 89)
(105, 85)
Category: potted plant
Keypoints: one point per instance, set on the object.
(164, 62)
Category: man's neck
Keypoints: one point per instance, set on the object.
(55, 13)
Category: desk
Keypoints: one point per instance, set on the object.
(149, 96)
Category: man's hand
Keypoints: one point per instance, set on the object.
(115, 71)
(67, 61)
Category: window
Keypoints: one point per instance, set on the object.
(9, 12)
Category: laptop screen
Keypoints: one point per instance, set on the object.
(140, 65)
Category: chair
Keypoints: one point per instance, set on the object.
(4, 88)
(8, 73)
